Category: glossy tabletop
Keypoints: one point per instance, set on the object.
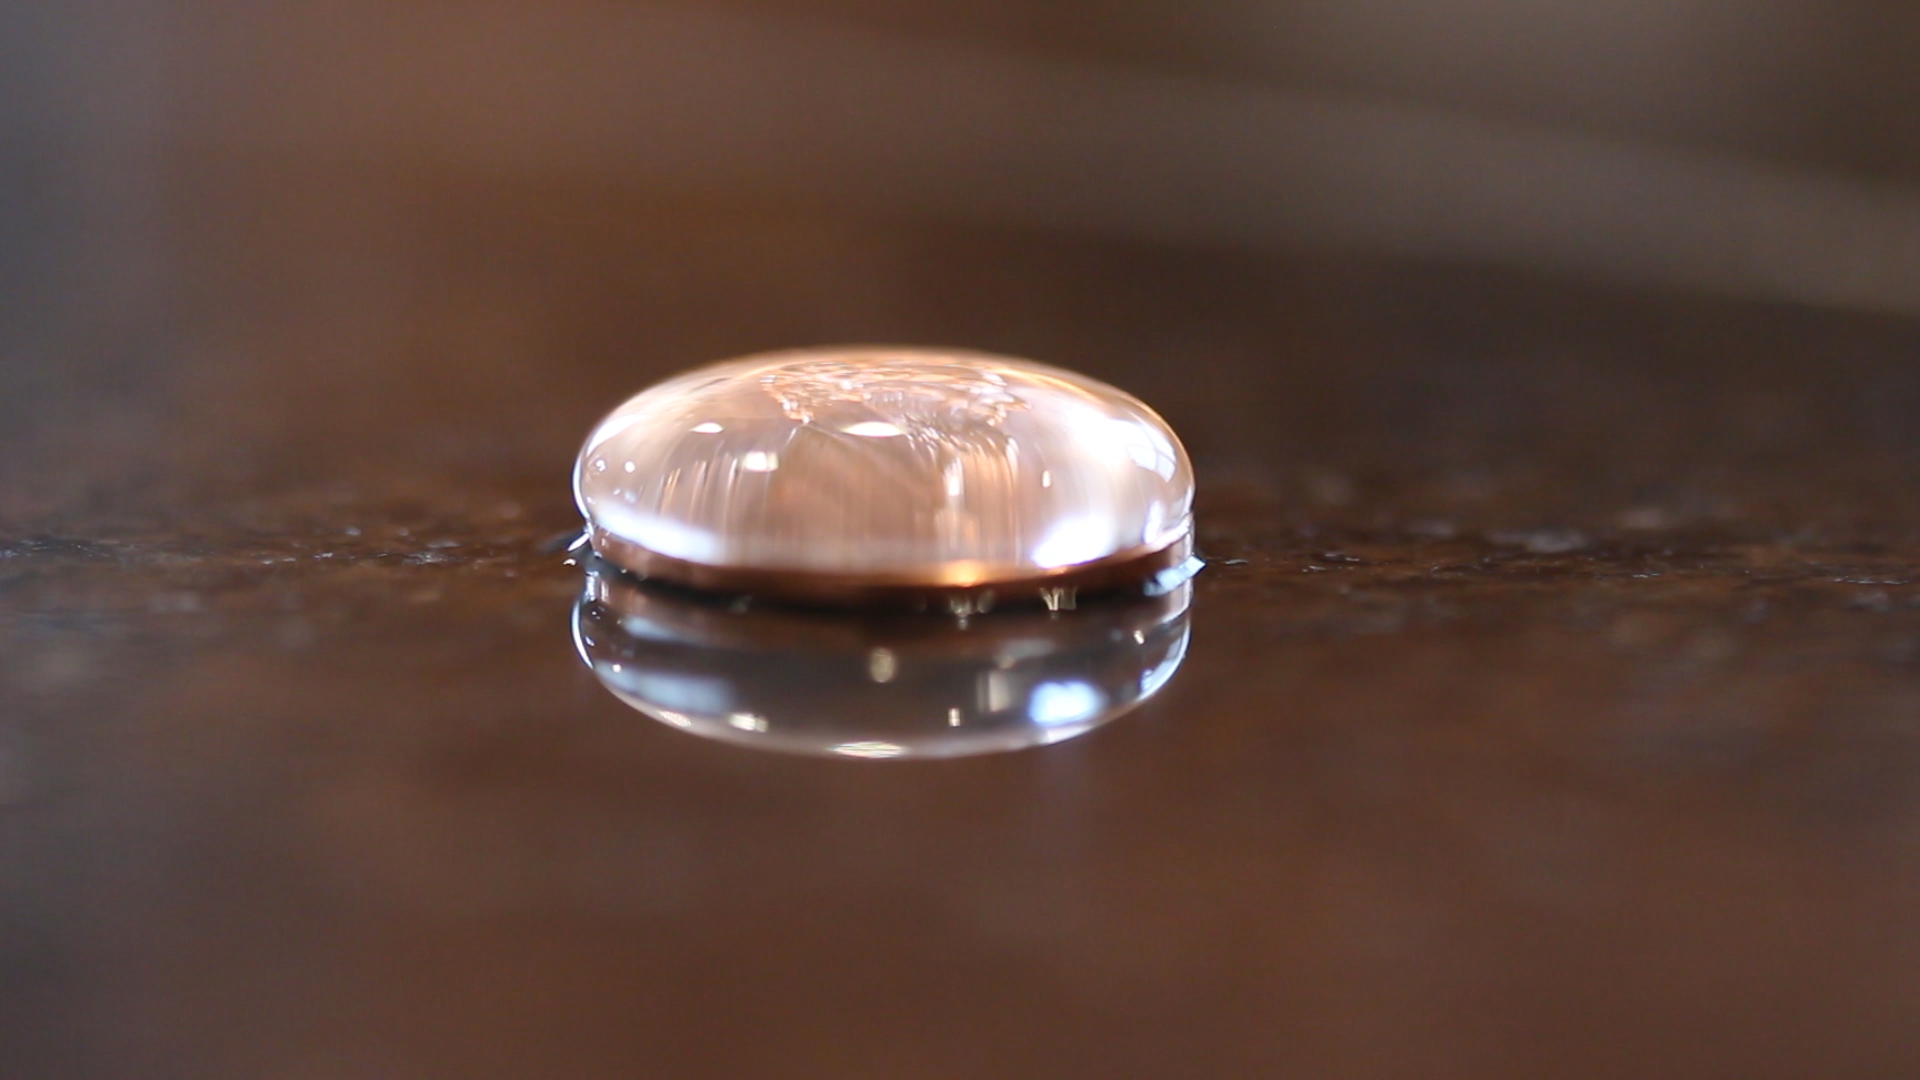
(1550, 705)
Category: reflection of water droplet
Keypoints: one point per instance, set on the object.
(744, 721)
(870, 749)
(872, 685)
(805, 471)
(1070, 702)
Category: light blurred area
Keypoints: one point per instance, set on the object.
(781, 105)
(1757, 148)
(339, 210)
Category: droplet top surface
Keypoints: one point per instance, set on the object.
(935, 466)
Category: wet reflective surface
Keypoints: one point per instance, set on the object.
(876, 687)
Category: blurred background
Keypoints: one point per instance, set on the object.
(273, 243)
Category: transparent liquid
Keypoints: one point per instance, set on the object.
(876, 686)
(935, 466)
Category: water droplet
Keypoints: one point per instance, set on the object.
(846, 474)
(875, 685)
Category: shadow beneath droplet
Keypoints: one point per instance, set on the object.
(875, 685)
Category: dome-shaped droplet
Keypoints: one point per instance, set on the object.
(861, 473)
(876, 685)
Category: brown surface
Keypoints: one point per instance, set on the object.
(1552, 708)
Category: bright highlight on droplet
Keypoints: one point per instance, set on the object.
(873, 429)
(1074, 540)
(1057, 703)
(839, 468)
(869, 749)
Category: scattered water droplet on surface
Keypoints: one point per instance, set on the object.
(889, 467)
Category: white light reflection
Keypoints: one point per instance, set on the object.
(1152, 681)
(1145, 447)
(708, 428)
(1057, 703)
(660, 534)
(639, 626)
(870, 749)
(747, 721)
(759, 461)
(1075, 540)
(698, 694)
(873, 429)
(679, 720)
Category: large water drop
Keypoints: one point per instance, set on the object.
(851, 474)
